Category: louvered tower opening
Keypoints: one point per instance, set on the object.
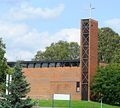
(85, 57)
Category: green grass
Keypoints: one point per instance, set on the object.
(74, 104)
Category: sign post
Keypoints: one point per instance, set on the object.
(70, 102)
(8, 81)
(101, 102)
(53, 101)
(61, 97)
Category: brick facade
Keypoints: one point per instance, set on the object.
(93, 52)
(47, 81)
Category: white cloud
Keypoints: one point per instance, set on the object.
(16, 54)
(114, 23)
(29, 12)
(12, 2)
(23, 42)
(70, 34)
(9, 30)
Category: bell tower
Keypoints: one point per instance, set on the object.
(88, 55)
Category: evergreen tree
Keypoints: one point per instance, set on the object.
(3, 63)
(18, 89)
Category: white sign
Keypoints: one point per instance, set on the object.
(61, 96)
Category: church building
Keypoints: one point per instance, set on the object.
(69, 76)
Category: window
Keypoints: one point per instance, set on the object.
(24, 65)
(67, 64)
(37, 65)
(73, 64)
(77, 86)
(31, 65)
(44, 64)
(58, 64)
(52, 65)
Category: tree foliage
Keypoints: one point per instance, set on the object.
(61, 50)
(108, 46)
(18, 89)
(106, 84)
(3, 63)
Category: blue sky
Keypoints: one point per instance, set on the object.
(27, 26)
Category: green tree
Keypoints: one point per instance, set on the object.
(106, 84)
(108, 46)
(61, 50)
(18, 89)
(3, 63)
(116, 53)
(116, 56)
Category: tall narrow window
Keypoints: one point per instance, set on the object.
(31, 65)
(77, 86)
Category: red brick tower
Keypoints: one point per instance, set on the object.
(89, 54)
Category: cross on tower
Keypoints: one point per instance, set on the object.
(90, 9)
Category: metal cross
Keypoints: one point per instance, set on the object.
(90, 9)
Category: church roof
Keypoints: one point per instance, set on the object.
(41, 64)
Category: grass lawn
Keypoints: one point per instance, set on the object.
(74, 104)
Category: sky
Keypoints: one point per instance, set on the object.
(27, 26)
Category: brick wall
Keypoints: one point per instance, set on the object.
(93, 48)
(47, 81)
(93, 51)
